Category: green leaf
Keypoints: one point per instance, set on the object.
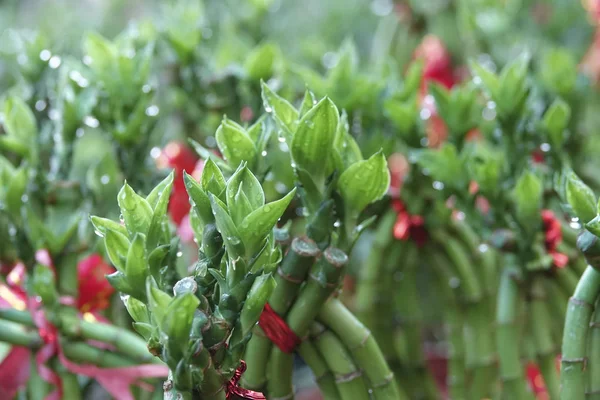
(206, 154)
(594, 225)
(444, 164)
(212, 179)
(489, 80)
(145, 330)
(137, 310)
(555, 122)
(136, 267)
(364, 182)
(198, 198)
(255, 228)
(177, 321)
(313, 140)
(158, 301)
(308, 102)
(402, 114)
(528, 199)
(136, 211)
(19, 121)
(117, 247)
(156, 260)
(228, 230)
(413, 78)
(261, 60)
(15, 189)
(119, 281)
(283, 112)
(44, 284)
(159, 216)
(234, 143)
(581, 198)
(103, 225)
(102, 53)
(256, 299)
(558, 71)
(155, 194)
(244, 180)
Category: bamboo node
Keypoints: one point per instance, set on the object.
(580, 302)
(348, 377)
(582, 360)
(389, 378)
(288, 278)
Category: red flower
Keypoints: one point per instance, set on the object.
(94, 289)
(180, 158)
(536, 381)
(553, 237)
(438, 63)
(399, 167)
(409, 226)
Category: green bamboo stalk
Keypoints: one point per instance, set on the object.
(37, 388)
(290, 276)
(557, 303)
(323, 376)
(370, 282)
(567, 278)
(365, 350)
(508, 337)
(541, 323)
(593, 367)
(69, 383)
(456, 376)
(13, 333)
(348, 377)
(323, 280)
(579, 313)
(409, 340)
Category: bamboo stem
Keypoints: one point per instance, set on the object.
(508, 337)
(291, 274)
(579, 313)
(323, 376)
(593, 367)
(348, 377)
(365, 350)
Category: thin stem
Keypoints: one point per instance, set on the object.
(323, 376)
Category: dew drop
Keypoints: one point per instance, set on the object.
(45, 55)
(454, 282)
(545, 147)
(155, 152)
(98, 233)
(40, 105)
(281, 139)
(179, 254)
(268, 109)
(54, 114)
(483, 248)
(152, 111)
(425, 114)
(437, 185)
(263, 153)
(79, 132)
(54, 62)
(24, 198)
(105, 179)
(91, 122)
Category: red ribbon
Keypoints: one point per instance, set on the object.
(232, 387)
(277, 330)
(553, 237)
(14, 369)
(409, 226)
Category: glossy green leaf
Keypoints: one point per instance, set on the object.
(261, 61)
(257, 297)
(15, 189)
(44, 284)
(117, 247)
(177, 322)
(244, 180)
(158, 301)
(489, 80)
(234, 143)
(308, 102)
(19, 121)
(155, 194)
(159, 216)
(212, 179)
(102, 225)
(137, 310)
(364, 182)
(225, 225)
(156, 260)
(282, 111)
(119, 281)
(313, 140)
(136, 266)
(199, 199)
(255, 228)
(528, 199)
(136, 211)
(556, 120)
(581, 198)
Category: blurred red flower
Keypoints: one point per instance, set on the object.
(94, 289)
